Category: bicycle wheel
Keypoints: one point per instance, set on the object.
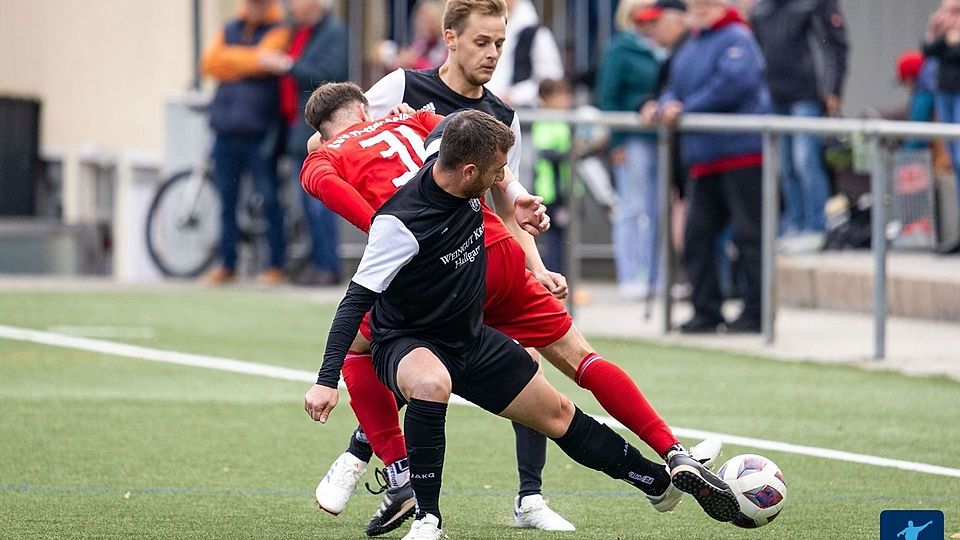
(183, 225)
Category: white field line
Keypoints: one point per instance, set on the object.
(263, 370)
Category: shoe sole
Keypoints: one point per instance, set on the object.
(719, 504)
(406, 512)
(327, 510)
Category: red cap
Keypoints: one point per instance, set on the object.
(649, 14)
(908, 65)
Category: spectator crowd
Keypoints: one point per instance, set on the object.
(667, 58)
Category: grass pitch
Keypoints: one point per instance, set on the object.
(96, 446)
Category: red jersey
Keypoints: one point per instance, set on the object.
(356, 171)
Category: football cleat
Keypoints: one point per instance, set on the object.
(425, 528)
(335, 489)
(397, 505)
(532, 512)
(711, 493)
(706, 453)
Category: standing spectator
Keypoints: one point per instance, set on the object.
(627, 79)
(317, 53)
(670, 30)
(942, 42)
(553, 142)
(719, 69)
(530, 55)
(242, 114)
(805, 46)
(915, 74)
(427, 50)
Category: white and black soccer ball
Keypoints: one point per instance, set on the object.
(759, 486)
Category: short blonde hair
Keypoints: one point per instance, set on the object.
(458, 11)
(624, 15)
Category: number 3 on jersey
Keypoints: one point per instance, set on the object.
(395, 147)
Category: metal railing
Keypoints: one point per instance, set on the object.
(878, 133)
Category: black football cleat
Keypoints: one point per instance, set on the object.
(397, 506)
(711, 493)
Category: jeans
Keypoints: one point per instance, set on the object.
(232, 156)
(803, 178)
(636, 216)
(948, 111)
(323, 224)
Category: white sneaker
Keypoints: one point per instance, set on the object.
(668, 500)
(427, 528)
(338, 485)
(706, 452)
(532, 512)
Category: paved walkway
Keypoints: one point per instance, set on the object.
(913, 346)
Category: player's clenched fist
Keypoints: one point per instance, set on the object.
(319, 401)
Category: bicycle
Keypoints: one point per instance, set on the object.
(183, 223)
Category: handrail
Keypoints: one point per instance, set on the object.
(753, 123)
(877, 132)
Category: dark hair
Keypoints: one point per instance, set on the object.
(473, 136)
(330, 98)
(549, 87)
(458, 11)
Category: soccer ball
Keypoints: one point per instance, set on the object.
(759, 486)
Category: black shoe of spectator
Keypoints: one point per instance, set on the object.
(701, 324)
(744, 325)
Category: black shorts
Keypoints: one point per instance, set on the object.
(491, 377)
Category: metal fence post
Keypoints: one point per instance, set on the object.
(879, 181)
(768, 248)
(573, 230)
(664, 176)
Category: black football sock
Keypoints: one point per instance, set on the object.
(360, 446)
(598, 447)
(531, 457)
(423, 427)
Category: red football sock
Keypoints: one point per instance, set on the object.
(619, 396)
(375, 407)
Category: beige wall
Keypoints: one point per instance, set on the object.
(103, 68)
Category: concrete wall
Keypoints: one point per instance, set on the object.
(102, 68)
(879, 30)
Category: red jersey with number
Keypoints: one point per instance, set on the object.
(356, 171)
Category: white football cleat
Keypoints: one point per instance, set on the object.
(341, 481)
(532, 512)
(668, 500)
(706, 452)
(427, 528)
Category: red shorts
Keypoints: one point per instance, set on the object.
(516, 303)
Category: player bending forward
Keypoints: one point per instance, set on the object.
(423, 276)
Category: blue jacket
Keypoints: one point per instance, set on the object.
(247, 106)
(627, 77)
(719, 70)
(324, 59)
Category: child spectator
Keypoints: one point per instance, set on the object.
(552, 142)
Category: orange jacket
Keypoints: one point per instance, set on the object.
(231, 62)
